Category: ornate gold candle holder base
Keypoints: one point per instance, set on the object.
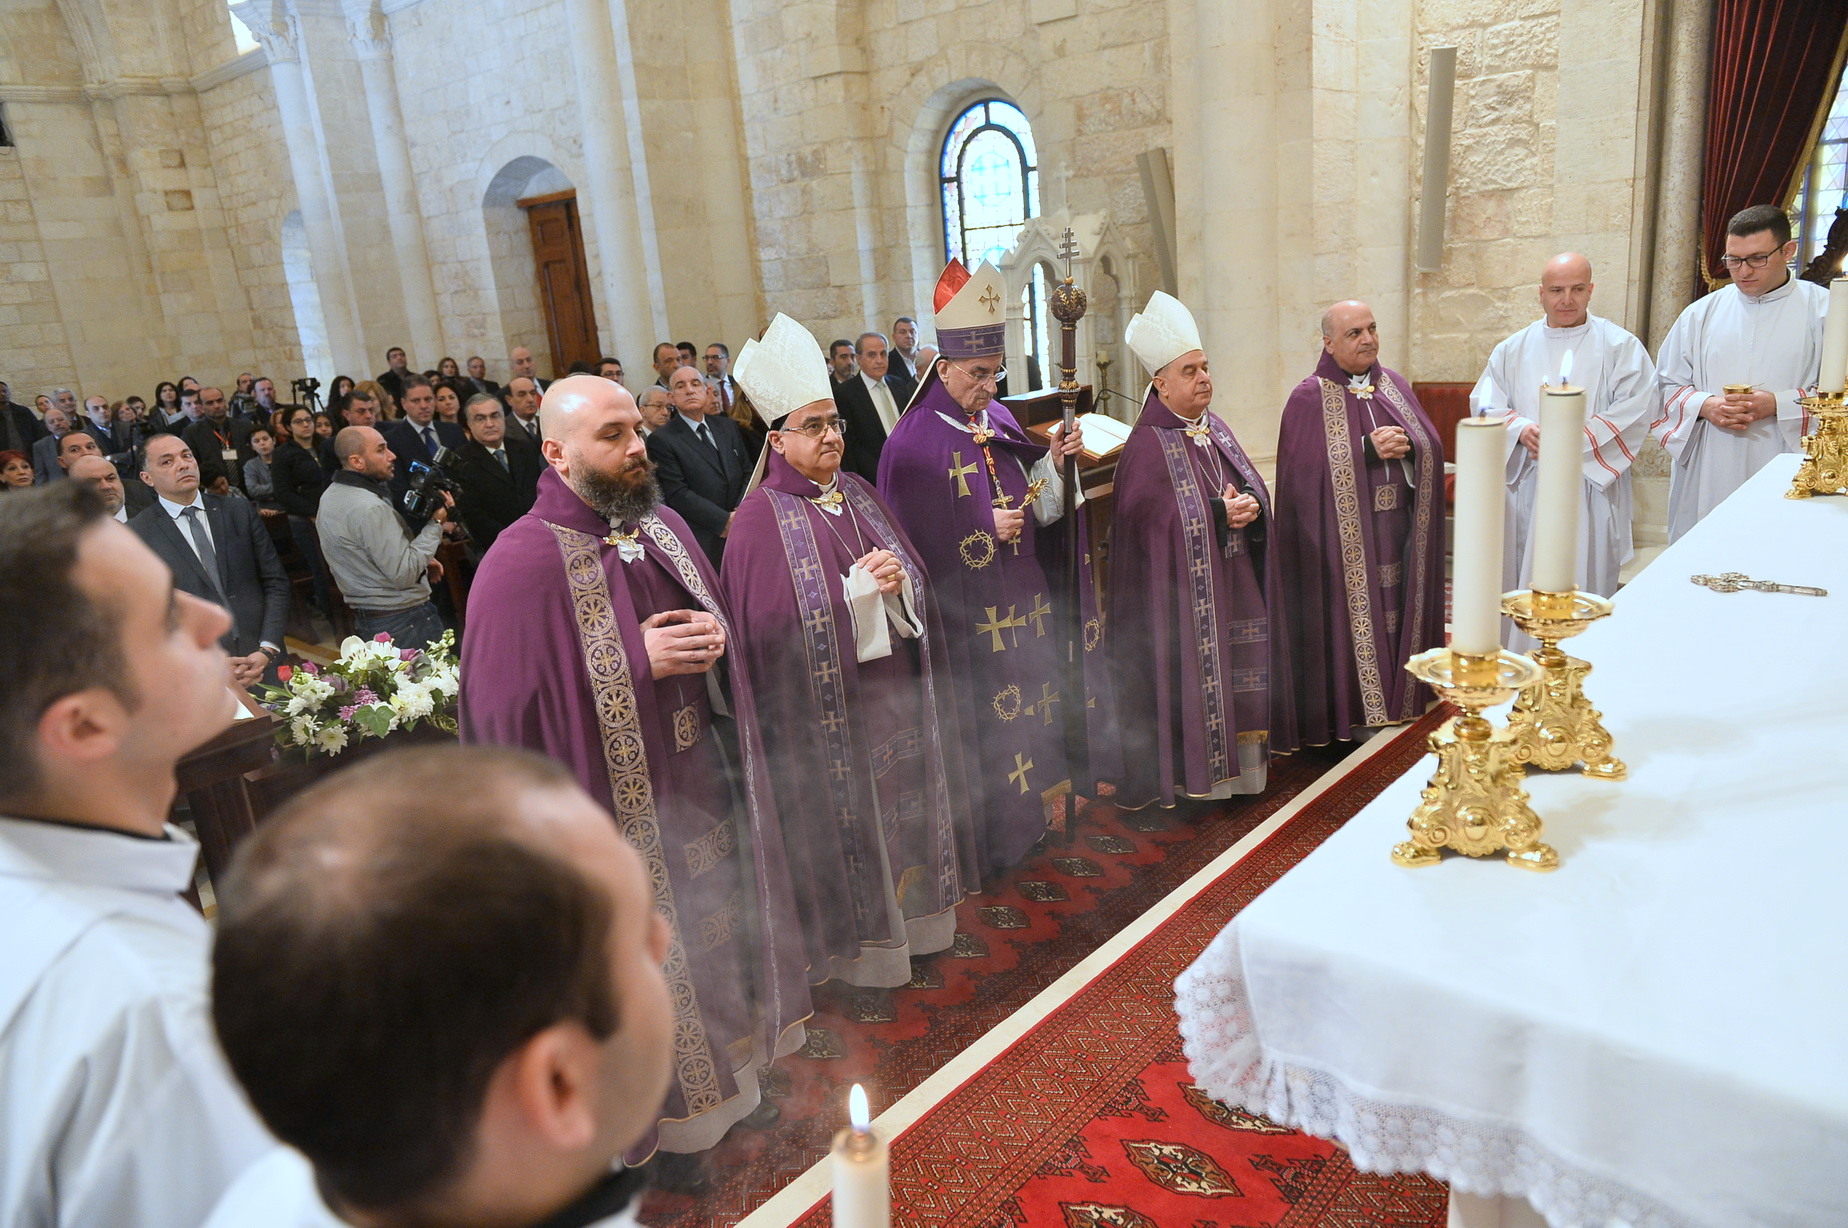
(1553, 725)
(1475, 803)
(1824, 470)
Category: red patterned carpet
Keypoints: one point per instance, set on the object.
(1090, 1119)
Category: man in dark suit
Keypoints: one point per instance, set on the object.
(45, 467)
(523, 364)
(417, 435)
(219, 442)
(498, 470)
(869, 406)
(397, 366)
(701, 460)
(219, 550)
(19, 426)
(904, 358)
(478, 377)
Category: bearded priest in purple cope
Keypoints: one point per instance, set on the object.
(837, 628)
(1202, 667)
(981, 502)
(597, 635)
(1360, 535)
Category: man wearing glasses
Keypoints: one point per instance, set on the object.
(982, 502)
(850, 671)
(1733, 366)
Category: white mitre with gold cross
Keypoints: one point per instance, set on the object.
(971, 313)
(784, 371)
(1162, 332)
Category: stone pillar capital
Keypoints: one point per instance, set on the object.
(274, 25)
(366, 27)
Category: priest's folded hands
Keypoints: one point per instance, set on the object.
(1390, 442)
(1241, 509)
(1737, 410)
(682, 642)
(882, 566)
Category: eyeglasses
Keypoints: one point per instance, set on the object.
(1758, 261)
(819, 428)
(995, 379)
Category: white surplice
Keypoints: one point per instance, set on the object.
(279, 1191)
(116, 1107)
(1772, 342)
(1621, 399)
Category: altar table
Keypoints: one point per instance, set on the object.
(1654, 1035)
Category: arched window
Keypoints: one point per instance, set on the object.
(990, 176)
(1824, 186)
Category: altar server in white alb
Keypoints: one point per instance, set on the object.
(1763, 331)
(1621, 399)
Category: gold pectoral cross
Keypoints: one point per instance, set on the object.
(829, 502)
(628, 545)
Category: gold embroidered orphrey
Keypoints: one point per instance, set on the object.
(625, 756)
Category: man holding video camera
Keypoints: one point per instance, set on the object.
(382, 567)
(419, 434)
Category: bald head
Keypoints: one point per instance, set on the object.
(1351, 336)
(99, 473)
(578, 407)
(1565, 290)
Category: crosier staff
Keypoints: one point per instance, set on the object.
(1068, 306)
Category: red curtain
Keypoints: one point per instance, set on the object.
(1774, 63)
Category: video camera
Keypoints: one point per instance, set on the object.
(428, 482)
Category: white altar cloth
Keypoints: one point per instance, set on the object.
(1654, 1035)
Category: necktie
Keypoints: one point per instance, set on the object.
(202, 546)
(500, 454)
(705, 437)
(725, 395)
(429, 441)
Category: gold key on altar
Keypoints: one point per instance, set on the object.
(1734, 581)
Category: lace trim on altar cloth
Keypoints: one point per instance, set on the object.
(1491, 1158)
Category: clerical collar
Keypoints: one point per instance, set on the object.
(1361, 385)
(1576, 330)
(1197, 428)
(98, 856)
(1771, 296)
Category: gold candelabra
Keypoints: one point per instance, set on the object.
(1553, 725)
(1475, 803)
(1824, 470)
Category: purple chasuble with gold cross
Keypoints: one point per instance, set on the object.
(1361, 543)
(554, 660)
(1200, 649)
(941, 472)
(865, 757)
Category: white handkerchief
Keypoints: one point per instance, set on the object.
(871, 639)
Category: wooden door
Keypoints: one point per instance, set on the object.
(564, 282)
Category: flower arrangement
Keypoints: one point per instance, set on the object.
(374, 688)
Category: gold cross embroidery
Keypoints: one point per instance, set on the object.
(960, 472)
(990, 300)
(1048, 697)
(1021, 767)
(1039, 613)
(996, 625)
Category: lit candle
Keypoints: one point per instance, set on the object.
(1835, 339)
(1559, 489)
(1482, 449)
(862, 1185)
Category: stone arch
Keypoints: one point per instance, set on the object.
(512, 300)
(921, 115)
(305, 299)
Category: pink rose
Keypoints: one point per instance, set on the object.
(381, 638)
(409, 654)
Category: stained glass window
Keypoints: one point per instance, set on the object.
(1825, 183)
(990, 177)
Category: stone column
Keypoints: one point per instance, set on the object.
(372, 43)
(277, 29)
(628, 262)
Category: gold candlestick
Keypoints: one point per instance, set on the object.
(1824, 470)
(1553, 725)
(1475, 803)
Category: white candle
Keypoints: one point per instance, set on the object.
(862, 1179)
(1835, 339)
(1482, 448)
(1559, 489)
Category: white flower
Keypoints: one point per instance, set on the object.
(302, 730)
(351, 647)
(412, 702)
(331, 738)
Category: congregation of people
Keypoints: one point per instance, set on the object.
(764, 670)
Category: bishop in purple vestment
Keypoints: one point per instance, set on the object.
(1360, 535)
(594, 628)
(981, 502)
(836, 625)
(1202, 667)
